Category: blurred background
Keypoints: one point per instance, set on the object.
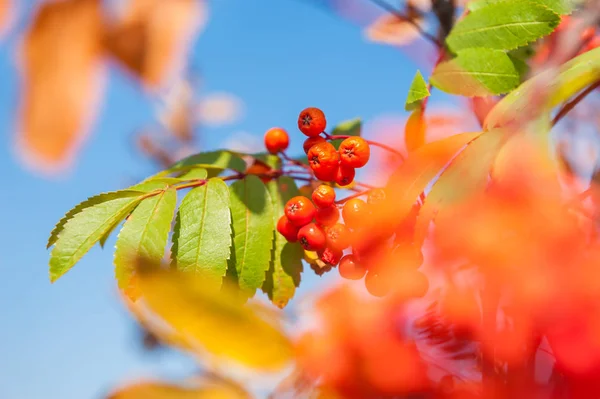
(241, 67)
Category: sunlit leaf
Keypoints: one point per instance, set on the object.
(202, 236)
(213, 321)
(504, 25)
(466, 174)
(252, 225)
(83, 229)
(476, 72)
(214, 160)
(417, 92)
(61, 81)
(285, 268)
(161, 390)
(558, 6)
(414, 130)
(153, 37)
(546, 90)
(414, 175)
(144, 234)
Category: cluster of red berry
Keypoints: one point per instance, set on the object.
(315, 224)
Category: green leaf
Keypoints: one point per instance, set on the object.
(504, 25)
(285, 268)
(558, 6)
(81, 231)
(91, 201)
(555, 87)
(144, 234)
(202, 235)
(215, 161)
(415, 174)
(476, 73)
(252, 225)
(351, 127)
(194, 174)
(466, 174)
(417, 92)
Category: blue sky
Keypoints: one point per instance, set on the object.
(73, 339)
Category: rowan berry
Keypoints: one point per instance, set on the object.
(345, 175)
(331, 256)
(323, 160)
(327, 216)
(354, 152)
(312, 122)
(338, 236)
(287, 229)
(309, 142)
(351, 269)
(300, 211)
(377, 284)
(407, 256)
(276, 140)
(312, 237)
(355, 213)
(376, 196)
(323, 196)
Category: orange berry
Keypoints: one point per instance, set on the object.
(323, 196)
(312, 237)
(354, 152)
(377, 284)
(300, 211)
(327, 216)
(276, 140)
(287, 229)
(407, 256)
(309, 142)
(331, 256)
(338, 236)
(376, 196)
(355, 213)
(312, 122)
(351, 269)
(345, 175)
(323, 160)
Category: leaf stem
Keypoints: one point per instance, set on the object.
(571, 104)
(348, 198)
(295, 162)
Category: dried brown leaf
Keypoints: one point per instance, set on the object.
(153, 37)
(60, 66)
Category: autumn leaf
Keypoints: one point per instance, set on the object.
(61, 82)
(393, 30)
(153, 37)
(211, 389)
(210, 322)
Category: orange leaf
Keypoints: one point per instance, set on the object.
(60, 55)
(153, 37)
(393, 30)
(414, 130)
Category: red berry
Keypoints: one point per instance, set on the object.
(345, 175)
(276, 140)
(312, 237)
(351, 269)
(355, 213)
(327, 216)
(312, 122)
(309, 142)
(354, 152)
(331, 256)
(287, 229)
(323, 160)
(300, 211)
(377, 284)
(338, 236)
(323, 196)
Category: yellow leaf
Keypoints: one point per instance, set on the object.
(215, 323)
(159, 390)
(59, 62)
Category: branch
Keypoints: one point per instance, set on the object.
(571, 104)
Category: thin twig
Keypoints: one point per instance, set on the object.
(295, 162)
(571, 104)
(348, 198)
(406, 18)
